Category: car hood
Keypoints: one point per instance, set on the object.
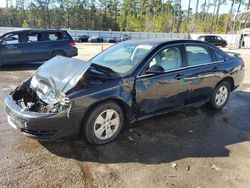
(57, 76)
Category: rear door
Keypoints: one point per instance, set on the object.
(33, 46)
(162, 92)
(203, 73)
(57, 41)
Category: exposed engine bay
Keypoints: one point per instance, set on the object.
(47, 90)
(28, 100)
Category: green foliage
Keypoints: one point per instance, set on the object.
(123, 15)
(25, 24)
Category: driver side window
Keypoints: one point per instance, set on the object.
(168, 59)
(11, 39)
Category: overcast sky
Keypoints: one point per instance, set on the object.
(224, 8)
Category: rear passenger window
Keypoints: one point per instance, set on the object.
(198, 55)
(57, 36)
(33, 37)
(218, 56)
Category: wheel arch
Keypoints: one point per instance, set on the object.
(228, 79)
(59, 50)
(124, 106)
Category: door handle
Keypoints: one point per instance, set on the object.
(179, 76)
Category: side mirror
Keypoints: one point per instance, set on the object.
(155, 69)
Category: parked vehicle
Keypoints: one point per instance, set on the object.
(35, 45)
(213, 39)
(124, 37)
(82, 38)
(111, 40)
(95, 38)
(128, 82)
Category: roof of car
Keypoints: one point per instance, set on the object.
(208, 36)
(35, 30)
(156, 42)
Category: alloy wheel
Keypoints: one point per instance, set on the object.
(106, 124)
(221, 95)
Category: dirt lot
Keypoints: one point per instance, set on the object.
(194, 147)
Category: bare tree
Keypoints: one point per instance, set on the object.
(240, 2)
(212, 23)
(44, 6)
(203, 10)
(217, 15)
(196, 15)
(187, 21)
(229, 16)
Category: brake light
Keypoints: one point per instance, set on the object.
(73, 43)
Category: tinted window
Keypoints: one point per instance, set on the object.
(198, 55)
(219, 38)
(123, 57)
(33, 37)
(202, 38)
(57, 36)
(119, 55)
(11, 39)
(169, 59)
(218, 56)
(208, 38)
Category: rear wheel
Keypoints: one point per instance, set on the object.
(104, 123)
(58, 53)
(224, 45)
(220, 95)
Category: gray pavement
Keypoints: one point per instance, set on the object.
(193, 147)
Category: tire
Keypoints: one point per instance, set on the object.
(224, 45)
(98, 125)
(220, 95)
(58, 53)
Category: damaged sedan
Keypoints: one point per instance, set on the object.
(128, 82)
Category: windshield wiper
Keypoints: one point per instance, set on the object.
(104, 69)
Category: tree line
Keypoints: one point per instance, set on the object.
(123, 15)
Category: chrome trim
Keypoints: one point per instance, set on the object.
(181, 68)
(171, 45)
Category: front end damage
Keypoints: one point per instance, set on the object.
(40, 107)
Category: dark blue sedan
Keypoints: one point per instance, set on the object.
(128, 82)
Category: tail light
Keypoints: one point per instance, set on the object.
(73, 43)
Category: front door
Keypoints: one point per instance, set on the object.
(156, 93)
(10, 49)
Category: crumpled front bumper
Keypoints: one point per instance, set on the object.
(41, 126)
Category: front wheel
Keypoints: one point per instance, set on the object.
(104, 123)
(220, 95)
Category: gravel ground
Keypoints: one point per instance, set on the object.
(193, 147)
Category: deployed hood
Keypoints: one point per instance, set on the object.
(57, 76)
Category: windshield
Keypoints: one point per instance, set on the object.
(123, 57)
